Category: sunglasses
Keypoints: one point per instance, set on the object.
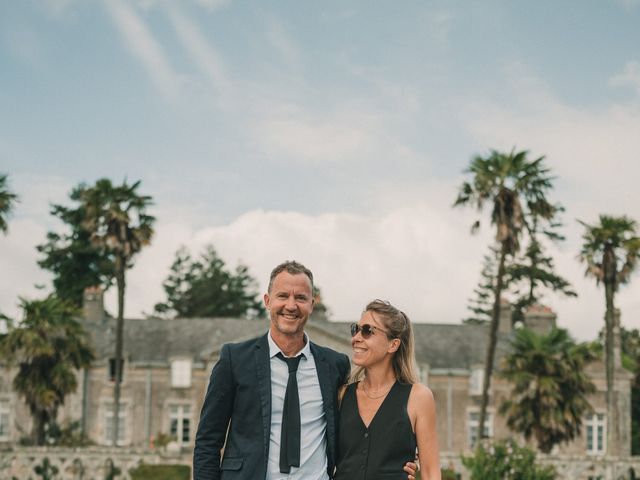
(365, 330)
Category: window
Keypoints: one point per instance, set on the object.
(474, 420)
(108, 424)
(475, 381)
(112, 369)
(5, 416)
(180, 423)
(181, 373)
(596, 426)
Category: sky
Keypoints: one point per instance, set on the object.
(334, 133)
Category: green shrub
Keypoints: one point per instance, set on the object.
(161, 472)
(449, 474)
(506, 461)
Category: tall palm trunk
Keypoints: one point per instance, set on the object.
(40, 420)
(120, 280)
(493, 338)
(609, 264)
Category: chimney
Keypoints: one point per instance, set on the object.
(505, 323)
(539, 318)
(93, 304)
(617, 340)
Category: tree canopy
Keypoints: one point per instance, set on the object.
(549, 386)
(610, 250)
(75, 261)
(47, 347)
(206, 287)
(516, 189)
(7, 201)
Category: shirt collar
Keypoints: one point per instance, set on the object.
(274, 349)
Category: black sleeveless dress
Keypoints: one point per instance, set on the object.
(380, 451)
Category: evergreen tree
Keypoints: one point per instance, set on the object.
(481, 304)
(75, 261)
(534, 269)
(205, 287)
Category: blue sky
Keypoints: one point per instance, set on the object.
(332, 132)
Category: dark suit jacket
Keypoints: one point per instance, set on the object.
(239, 398)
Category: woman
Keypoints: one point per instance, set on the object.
(385, 413)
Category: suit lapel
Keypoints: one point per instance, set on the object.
(263, 370)
(328, 394)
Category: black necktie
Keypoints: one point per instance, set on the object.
(290, 434)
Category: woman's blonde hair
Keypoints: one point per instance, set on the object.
(398, 326)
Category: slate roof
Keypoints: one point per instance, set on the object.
(155, 341)
(441, 345)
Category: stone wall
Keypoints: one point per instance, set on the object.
(94, 463)
(569, 467)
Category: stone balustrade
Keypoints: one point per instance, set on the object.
(89, 463)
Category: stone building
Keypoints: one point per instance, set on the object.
(167, 365)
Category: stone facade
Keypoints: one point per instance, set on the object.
(167, 365)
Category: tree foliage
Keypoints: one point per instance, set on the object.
(7, 202)
(75, 261)
(516, 189)
(527, 277)
(206, 287)
(549, 386)
(481, 303)
(47, 347)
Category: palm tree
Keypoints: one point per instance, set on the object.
(47, 347)
(117, 220)
(550, 387)
(515, 186)
(7, 200)
(610, 251)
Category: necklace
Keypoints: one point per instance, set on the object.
(374, 397)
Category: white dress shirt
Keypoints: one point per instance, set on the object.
(313, 424)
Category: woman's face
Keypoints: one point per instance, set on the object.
(370, 343)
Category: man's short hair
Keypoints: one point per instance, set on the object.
(292, 267)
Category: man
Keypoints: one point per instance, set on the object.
(254, 390)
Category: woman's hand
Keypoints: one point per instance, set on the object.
(411, 468)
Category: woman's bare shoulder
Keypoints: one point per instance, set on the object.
(421, 395)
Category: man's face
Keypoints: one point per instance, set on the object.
(290, 302)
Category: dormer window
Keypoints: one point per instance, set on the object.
(476, 380)
(181, 373)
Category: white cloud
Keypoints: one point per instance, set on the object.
(629, 77)
(140, 40)
(20, 272)
(400, 255)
